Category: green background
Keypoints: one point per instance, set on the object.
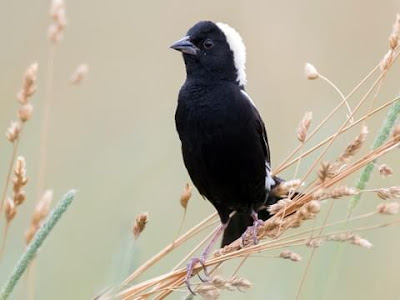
(113, 137)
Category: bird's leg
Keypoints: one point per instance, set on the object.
(201, 260)
(253, 229)
(257, 223)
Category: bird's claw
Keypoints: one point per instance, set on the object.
(253, 231)
(189, 271)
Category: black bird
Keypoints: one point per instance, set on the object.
(224, 141)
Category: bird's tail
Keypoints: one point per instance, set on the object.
(240, 221)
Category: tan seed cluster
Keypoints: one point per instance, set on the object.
(273, 226)
(303, 127)
(396, 132)
(286, 188)
(79, 74)
(10, 209)
(24, 95)
(386, 60)
(18, 195)
(385, 170)
(140, 224)
(19, 181)
(13, 131)
(314, 243)
(186, 195)
(359, 241)
(310, 72)
(393, 43)
(28, 84)
(395, 35)
(391, 208)
(25, 110)
(288, 254)
(307, 212)
(274, 208)
(325, 171)
(57, 13)
(41, 211)
(354, 239)
(351, 149)
(212, 289)
(335, 193)
(389, 193)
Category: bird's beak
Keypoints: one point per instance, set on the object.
(184, 45)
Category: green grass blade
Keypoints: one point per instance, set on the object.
(36, 243)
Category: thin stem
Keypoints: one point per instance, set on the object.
(340, 129)
(182, 222)
(35, 244)
(175, 244)
(44, 132)
(340, 94)
(4, 239)
(304, 277)
(195, 249)
(178, 275)
(284, 163)
(316, 147)
(9, 172)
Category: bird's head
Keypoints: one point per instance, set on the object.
(213, 51)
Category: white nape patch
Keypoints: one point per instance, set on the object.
(248, 97)
(239, 51)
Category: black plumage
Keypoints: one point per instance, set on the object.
(224, 141)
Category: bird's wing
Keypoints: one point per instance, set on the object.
(261, 130)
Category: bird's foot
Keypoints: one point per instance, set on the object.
(256, 224)
(189, 271)
(201, 260)
(253, 230)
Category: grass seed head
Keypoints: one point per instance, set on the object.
(386, 60)
(25, 112)
(385, 170)
(79, 74)
(359, 241)
(288, 254)
(10, 209)
(395, 35)
(335, 193)
(396, 132)
(310, 72)
(186, 195)
(389, 193)
(40, 212)
(274, 208)
(390, 208)
(57, 14)
(286, 187)
(28, 84)
(303, 127)
(13, 131)
(19, 181)
(140, 224)
(353, 148)
(325, 171)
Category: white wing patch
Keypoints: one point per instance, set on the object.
(269, 181)
(239, 51)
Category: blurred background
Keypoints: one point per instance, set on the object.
(113, 137)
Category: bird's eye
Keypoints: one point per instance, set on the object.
(208, 44)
